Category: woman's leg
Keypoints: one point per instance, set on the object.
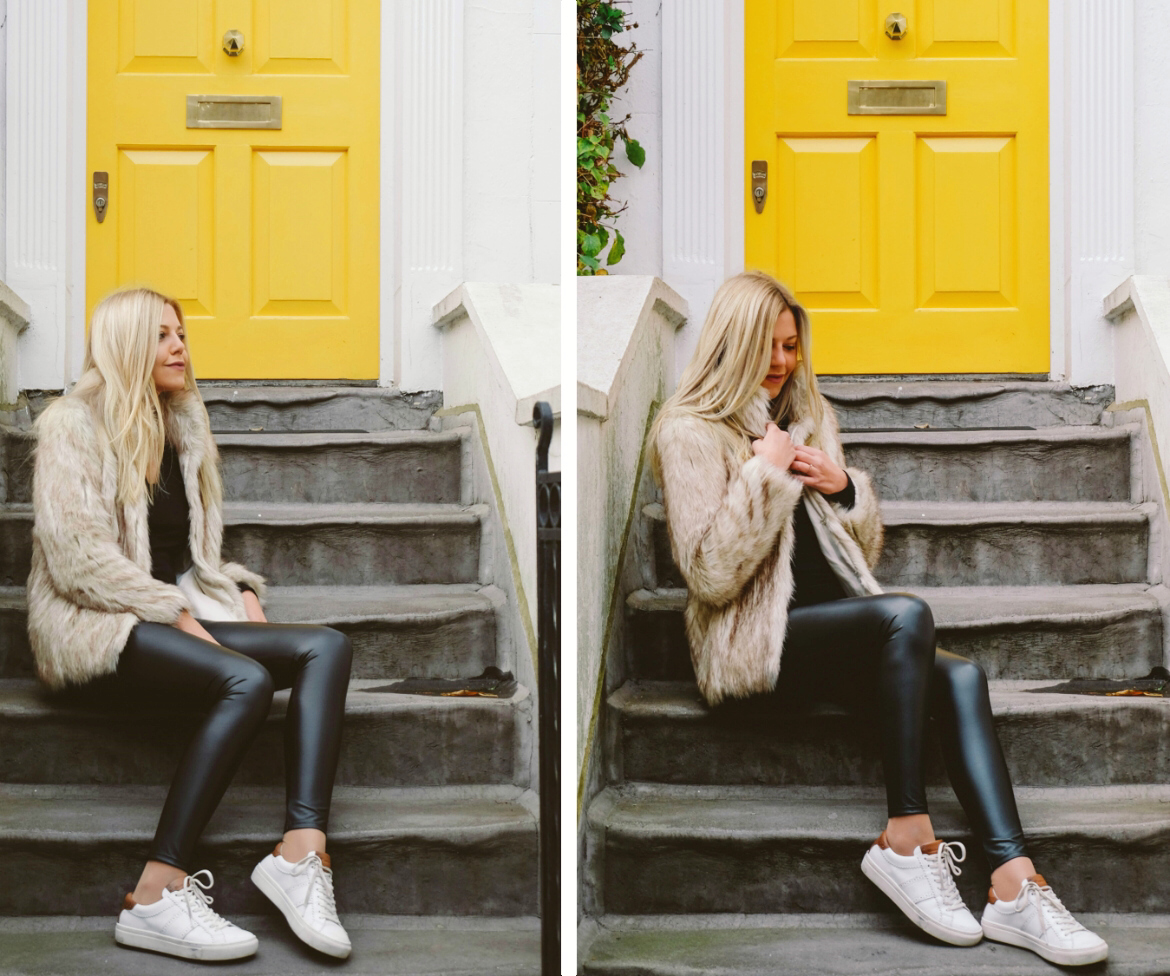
(961, 707)
(315, 663)
(235, 692)
(873, 654)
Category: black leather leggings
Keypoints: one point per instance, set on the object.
(233, 685)
(876, 654)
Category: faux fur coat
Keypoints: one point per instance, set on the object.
(90, 580)
(731, 532)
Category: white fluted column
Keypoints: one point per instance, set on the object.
(702, 152)
(1098, 120)
(423, 228)
(44, 227)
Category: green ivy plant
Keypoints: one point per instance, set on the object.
(603, 67)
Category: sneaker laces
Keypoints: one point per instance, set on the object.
(198, 902)
(1060, 916)
(320, 887)
(945, 862)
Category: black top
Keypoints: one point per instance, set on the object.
(813, 579)
(169, 521)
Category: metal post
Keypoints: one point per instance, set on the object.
(548, 597)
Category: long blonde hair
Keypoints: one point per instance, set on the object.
(117, 380)
(732, 359)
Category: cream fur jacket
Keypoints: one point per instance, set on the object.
(731, 532)
(90, 579)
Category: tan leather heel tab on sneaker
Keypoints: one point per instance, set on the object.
(991, 899)
(1039, 879)
(325, 859)
(882, 842)
(932, 847)
(128, 902)
(276, 849)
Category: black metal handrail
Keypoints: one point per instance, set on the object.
(548, 619)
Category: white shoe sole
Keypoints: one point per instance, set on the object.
(1063, 957)
(300, 927)
(892, 890)
(168, 944)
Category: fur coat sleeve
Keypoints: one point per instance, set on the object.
(724, 516)
(76, 529)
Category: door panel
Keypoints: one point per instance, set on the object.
(165, 234)
(919, 243)
(269, 237)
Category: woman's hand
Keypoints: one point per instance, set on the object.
(775, 446)
(252, 605)
(817, 470)
(189, 625)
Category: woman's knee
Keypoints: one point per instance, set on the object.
(911, 613)
(249, 683)
(910, 617)
(333, 648)
(961, 678)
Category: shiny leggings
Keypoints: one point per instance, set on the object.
(231, 686)
(877, 654)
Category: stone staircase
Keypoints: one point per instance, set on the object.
(356, 507)
(731, 843)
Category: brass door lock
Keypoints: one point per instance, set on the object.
(759, 183)
(896, 27)
(233, 43)
(101, 194)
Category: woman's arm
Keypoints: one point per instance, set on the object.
(724, 517)
(77, 533)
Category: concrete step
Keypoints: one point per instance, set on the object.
(904, 404)
(445, 851)
(387, 466)
(990, 544)
(670, 850)
(1033, 632)
(429, 630)
(312, 545)
(665, 733)
(1020, 543)
(388, 739)
(384, 466)
(382, 946)
(285, 408)
(841, 945)
(1056, 464)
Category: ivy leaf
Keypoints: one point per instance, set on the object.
(618, 251)
(591, 245)
(635, 153)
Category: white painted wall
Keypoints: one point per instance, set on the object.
(1109, 139)
(470, 159)
(626, 327)
(501, 355)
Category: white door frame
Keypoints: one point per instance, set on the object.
(1091, 164)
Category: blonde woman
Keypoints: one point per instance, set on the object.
(128, 595)
(777, 540)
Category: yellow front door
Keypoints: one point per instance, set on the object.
(268, 236)
(919, 242)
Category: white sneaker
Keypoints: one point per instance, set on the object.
(182, 923)
(923, 887)
(304, 893)
(1037, 920)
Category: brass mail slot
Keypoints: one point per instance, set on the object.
(234, 111)
(897, 98)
